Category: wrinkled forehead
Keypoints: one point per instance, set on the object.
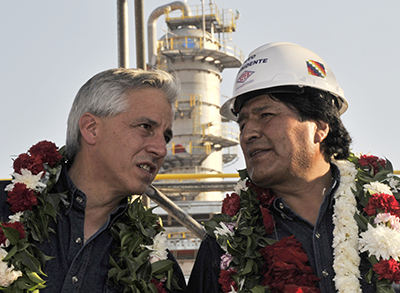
(255, 105)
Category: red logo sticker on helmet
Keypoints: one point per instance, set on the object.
(245, 75)
(315, 68)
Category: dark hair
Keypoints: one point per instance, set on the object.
(314, 104)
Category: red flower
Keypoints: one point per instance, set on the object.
(297, 289)
(285, 267)
(17, 226)
(21, 198)
(268, 220)
(159, 286)
(46, 151)
(25, 161)
(231, 204)
(382, 203)
(388, 269)
(371, 161)
(266, 198)
(226, 281)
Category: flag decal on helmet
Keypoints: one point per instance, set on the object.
(315, 68)
(244, 76)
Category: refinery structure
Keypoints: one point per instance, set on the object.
(196, 47)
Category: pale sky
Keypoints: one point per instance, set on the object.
(50, 48)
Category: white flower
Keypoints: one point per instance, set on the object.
(393, 182)
(7, 274)
(31, 181)
(345, 242)
(377, 187)
(241, 185)
(393, 221)
(224, 231)
(381, 241)
(159, 248)
(15, 217)
(347, 172)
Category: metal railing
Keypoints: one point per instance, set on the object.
(188, 42)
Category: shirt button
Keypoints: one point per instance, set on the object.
(283, 216)
(74, 280)
(317, 235)
(79, 199)
(325, 273)
(78, 240)
(281, 206)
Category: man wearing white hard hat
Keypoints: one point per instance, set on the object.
(307, 215)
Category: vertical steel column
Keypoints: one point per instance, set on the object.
(123, 38)
(139, 26)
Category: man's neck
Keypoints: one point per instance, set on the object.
(306, 196)
(99, 202)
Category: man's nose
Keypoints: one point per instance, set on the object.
(250, 131)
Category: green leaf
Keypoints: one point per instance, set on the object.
(243, 174)
(35, 277)
(249, 266)
(161, 266)
(361, 221)
(246, 232)
(113, 262)
(384, 288)
(144, 271)
(11, 253)
(113, 272)
(11, 234)
(143, 256)
(122, 273)
(124, 239)
(171, 279)
(258, 289)
(30, 261)
(153, 288)
(368, 276)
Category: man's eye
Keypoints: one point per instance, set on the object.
(265, 114)
(145, 126)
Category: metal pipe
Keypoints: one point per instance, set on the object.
(204, 22)
(139, 26)
(169, 206)
(152, 25)
(197, 186)
(188, 176)
(123, 40)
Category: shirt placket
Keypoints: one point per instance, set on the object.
(323, 252)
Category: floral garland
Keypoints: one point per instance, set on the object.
(367, 224)
(140, 263)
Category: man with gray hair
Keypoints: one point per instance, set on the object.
(96, 232)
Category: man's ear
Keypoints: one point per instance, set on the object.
(88, 126)
(321, 131)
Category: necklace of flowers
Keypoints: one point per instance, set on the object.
(139, 263)
(366, 218)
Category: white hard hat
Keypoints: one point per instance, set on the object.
(278, 66)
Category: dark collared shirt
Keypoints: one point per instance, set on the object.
(316, 240)
(79, 266)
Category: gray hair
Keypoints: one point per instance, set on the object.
(104, 95)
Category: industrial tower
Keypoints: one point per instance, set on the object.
(197, 49)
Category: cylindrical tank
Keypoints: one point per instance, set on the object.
(191, 52)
